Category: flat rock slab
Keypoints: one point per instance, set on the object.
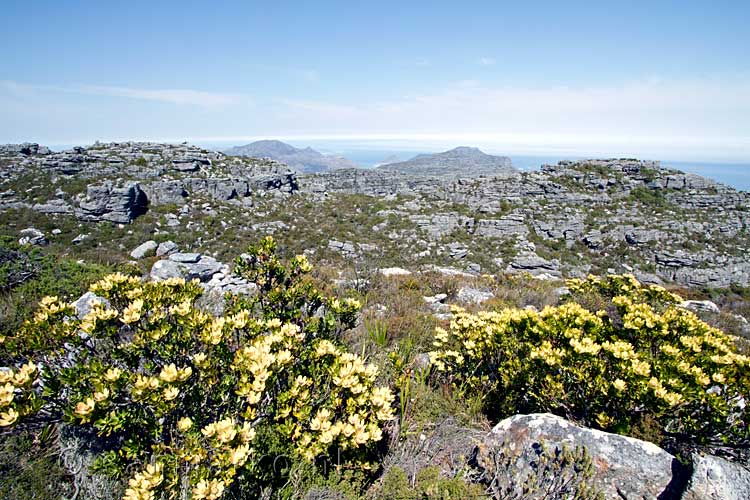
(188, 258)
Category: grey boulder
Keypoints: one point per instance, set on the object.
(86, 302)
(624, 467)
(186, 265)
(473, 296)
(166, 248)
(32, 236)
(147, 249)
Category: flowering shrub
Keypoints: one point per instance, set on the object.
(641, 358)
(191, 402)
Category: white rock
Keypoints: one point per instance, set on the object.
(394, 271)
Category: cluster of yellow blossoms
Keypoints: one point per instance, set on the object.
(663, 361)
(359, 407)
(15, 390)
(142, 485)
(196, 388)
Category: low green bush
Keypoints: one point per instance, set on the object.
(635, 360)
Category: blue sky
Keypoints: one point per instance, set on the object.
(661, 79)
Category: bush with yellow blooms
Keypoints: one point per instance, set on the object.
(636, 360)
(187, 405)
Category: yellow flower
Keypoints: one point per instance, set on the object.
(361, 436)
(184, 424)
(247, 433)
(84, 408)
(585, 345)
(619, 384)
(209, 430)
(208, 490)
(6, 375)
(321, 421)
(273, 323)
(101, 395)
(112, 374)
(382, 396)
(168, 373)
(7, 393)
(303, 263)
(291, 330)
(8, 418)
(325, 347)
(352, 303)
(182, 309)
(170, 393)
(132, 313)
(225, 430)
(641, 368)
(26, 374)
(604, 420)
(284, 357)
(673, 399)
(239, 455)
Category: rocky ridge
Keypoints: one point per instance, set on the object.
(123, 179)
(569, 219)
(670, 225)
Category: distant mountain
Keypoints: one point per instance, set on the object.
(461, 161)
(302, 160)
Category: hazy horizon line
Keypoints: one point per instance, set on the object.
(516, 144)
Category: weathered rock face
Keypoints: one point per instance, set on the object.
(529, 262)
(473, 296)
(625, 468)
(108, 202)
(714, 478)
(588, 216)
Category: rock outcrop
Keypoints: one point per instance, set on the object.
(112, 203)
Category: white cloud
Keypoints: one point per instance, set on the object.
(486, 61)
(656, 116)
(173, 96)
